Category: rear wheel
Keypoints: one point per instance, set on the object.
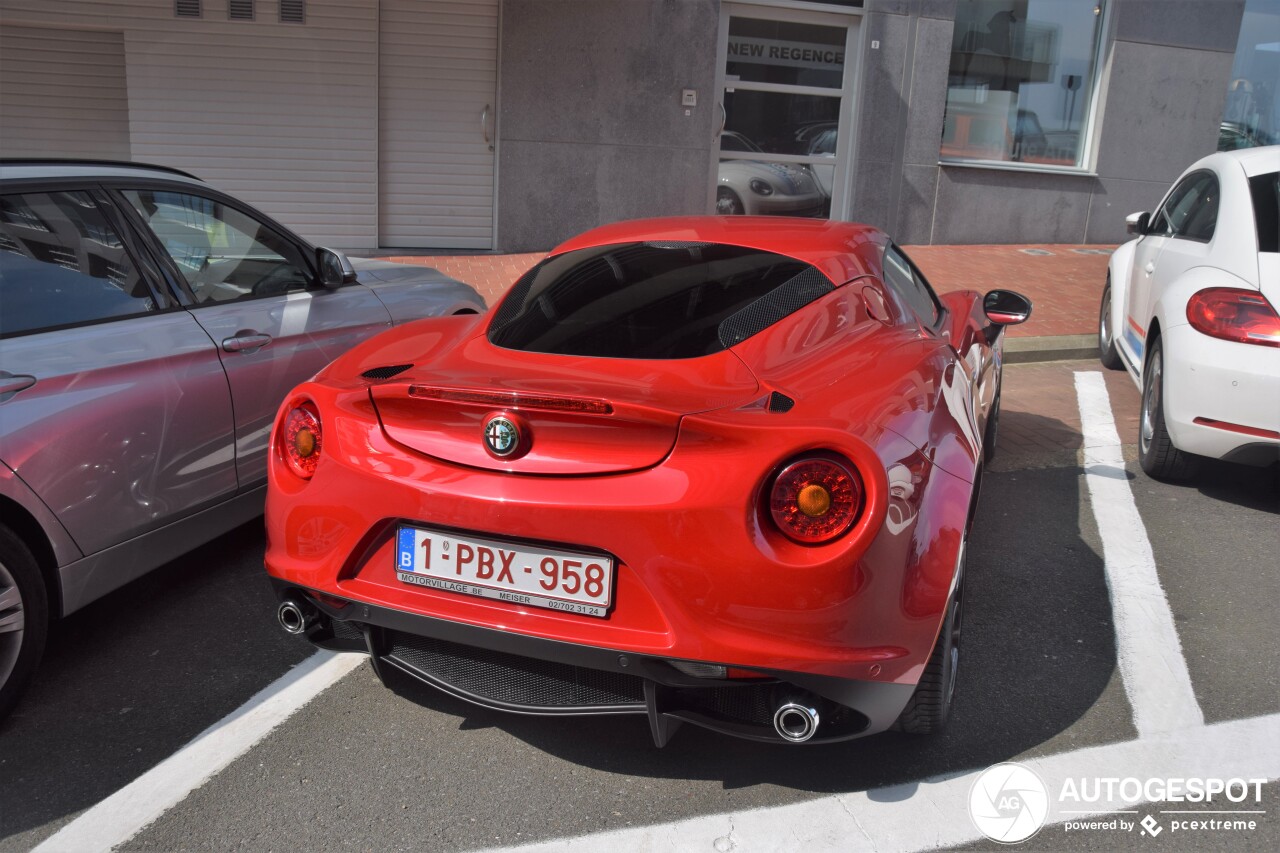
(930, 705)
(24, 618)
(1107, 352)
(1156, 453)
(728, 203)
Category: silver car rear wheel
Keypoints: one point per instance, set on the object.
(24, 618)
(12, 623)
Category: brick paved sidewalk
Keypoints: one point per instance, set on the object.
(1063, 282)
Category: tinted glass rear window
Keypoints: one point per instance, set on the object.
(1265, 190)
(652, 300)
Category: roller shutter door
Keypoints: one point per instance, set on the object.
(63, 93)
(437, 103)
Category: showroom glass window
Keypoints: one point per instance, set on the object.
(1021, 82)
(1251, 115)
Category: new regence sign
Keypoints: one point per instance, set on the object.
(796, 54)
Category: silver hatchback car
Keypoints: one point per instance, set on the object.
(149, 328)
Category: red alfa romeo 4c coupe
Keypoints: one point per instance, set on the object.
(715, 470)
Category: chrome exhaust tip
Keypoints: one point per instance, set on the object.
(292, 617)
(795, 722)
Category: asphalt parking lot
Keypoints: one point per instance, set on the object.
(131, 679)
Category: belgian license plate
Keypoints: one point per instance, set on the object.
(569, 581)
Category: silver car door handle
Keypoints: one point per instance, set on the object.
(11, 384)
(245, 343)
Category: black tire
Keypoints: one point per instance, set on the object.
(1107, 352)
(1156, 453)
(728, 203)
(929, 708)
(24, 618)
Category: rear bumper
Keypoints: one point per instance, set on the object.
(1223, 397)
(511, 672)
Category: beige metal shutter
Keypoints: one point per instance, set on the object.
(63, 93)
(437, 81)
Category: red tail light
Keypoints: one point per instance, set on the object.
(1235, 315)
(301, 440)
(815, 500)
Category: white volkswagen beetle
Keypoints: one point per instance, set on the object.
(1189, 309)
(765, 189)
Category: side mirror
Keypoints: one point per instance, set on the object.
(335, 269)
(1006, 308)
(1137, 223)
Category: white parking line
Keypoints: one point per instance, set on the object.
(123, 814)
(1148, 652)
(935, 813)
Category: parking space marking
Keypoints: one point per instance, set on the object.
(1148, 651)
(934, 812)
(126, 812)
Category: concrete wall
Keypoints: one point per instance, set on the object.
(590, 124)
(1168, 71)
(903, 93)
(1165, 75)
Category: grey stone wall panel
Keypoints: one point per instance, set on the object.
(928, 101)
(1198, 24)
(918, 190)
(553, 190)
(1113, 200)
(997, 206)
(880, 95)
(1162, 112)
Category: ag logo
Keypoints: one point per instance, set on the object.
(501, 436)
(1008, 803)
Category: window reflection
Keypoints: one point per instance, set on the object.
(62, 264)
(1251, 116)
(1020, 84)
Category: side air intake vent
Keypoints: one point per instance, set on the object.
(380, 373)
(240, 10)
(786, 299)
(186, 8)
(780, 402)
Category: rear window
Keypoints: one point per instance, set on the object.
(1265, 190)
(652, 300)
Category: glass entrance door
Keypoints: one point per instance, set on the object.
(786, 83)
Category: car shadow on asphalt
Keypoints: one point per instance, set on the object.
(134, 676)
(1038, 653)
(1241, 485)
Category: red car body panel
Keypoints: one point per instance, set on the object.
(673, 482)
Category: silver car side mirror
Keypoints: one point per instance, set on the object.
(335, 268)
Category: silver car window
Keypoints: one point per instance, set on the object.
(223, 253)
(63, 264)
